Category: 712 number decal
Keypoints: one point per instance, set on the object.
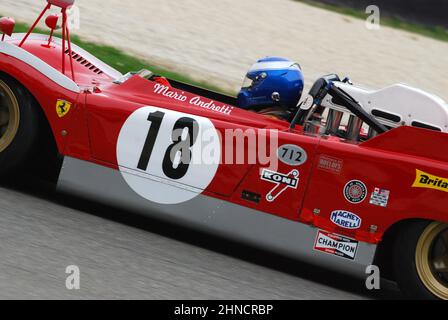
(292, 155)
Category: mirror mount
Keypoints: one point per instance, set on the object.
(64, 5)
(7, 27)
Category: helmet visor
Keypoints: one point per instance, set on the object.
(247, 83)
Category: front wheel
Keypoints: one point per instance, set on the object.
(421, 260)
(19, 124)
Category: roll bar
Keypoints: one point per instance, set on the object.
(326, 86)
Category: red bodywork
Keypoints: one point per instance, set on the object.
(389, 161)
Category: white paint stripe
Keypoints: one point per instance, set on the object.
(274, 65)
(48, 71)
(183, 186)
(92, 59)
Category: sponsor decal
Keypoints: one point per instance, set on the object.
(63, 108)
(330, 164)
(355, 191)
(346, 219)
(429, 181)
(196, 101)
(292, 155)
(160, 154)
(336, 245)
(380, 197)
(282, 182)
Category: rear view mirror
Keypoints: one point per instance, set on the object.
(7, 26)
(52, 21)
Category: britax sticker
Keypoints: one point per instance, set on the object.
(336, 245)
(346, 219)
(429, 181)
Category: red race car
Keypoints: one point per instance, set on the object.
(357, 178)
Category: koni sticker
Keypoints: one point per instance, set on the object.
(336, 245)
(346, 219)
(282, 182)
(355, 191)
(380, 197)
(429, 181)
(330, 164)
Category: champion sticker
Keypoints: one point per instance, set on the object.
(355, 191)
(282, 182)
(346, 219)
(380, 197)
(336, 245)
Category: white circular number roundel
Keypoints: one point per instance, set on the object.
(168, 157)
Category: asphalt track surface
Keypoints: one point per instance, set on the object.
(123, 256)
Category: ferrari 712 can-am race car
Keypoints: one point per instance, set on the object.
(357, 178)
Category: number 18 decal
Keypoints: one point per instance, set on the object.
(168, 157)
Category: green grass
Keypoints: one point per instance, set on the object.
(124, 62)
(438, 33)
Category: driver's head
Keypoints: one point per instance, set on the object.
(272, 81)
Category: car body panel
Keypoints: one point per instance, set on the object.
(311, 195)
(212, 216)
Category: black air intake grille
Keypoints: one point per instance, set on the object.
(84, 62)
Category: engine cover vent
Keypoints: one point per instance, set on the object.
(84, 62)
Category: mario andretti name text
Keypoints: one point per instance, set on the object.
(195, 101)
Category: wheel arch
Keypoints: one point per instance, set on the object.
(384, 254)
(47, 162)
(43, 89)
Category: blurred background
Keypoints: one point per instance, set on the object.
(215, 41)
(430, 12)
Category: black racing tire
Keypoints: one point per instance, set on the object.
(411, 248)
(18, 139)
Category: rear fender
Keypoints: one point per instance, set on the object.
(412, 141)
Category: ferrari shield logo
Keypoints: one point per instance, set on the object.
(63, 108)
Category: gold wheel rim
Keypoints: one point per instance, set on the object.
(432, 259)
(9, 116)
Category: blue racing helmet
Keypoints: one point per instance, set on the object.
(272, 81)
